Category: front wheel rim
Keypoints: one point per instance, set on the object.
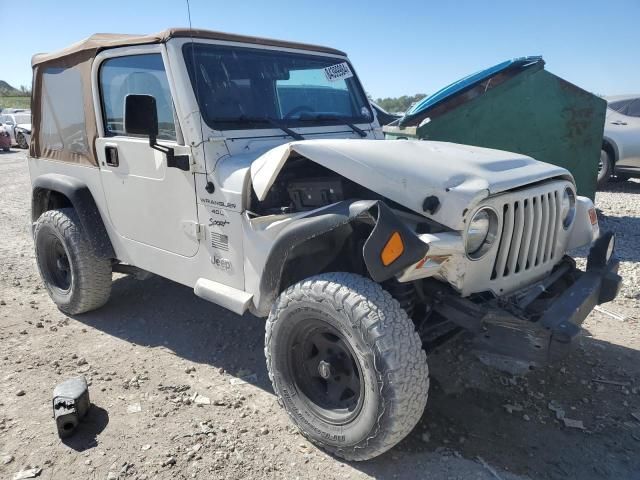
(57, 265)
(326, 372)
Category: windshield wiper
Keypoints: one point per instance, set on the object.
(273, 122)
(324, 116)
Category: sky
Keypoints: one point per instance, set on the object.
(397, 48)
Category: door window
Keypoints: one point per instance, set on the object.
(620, 106)
(135, 74)
(633, 109)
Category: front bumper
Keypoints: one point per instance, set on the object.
(599, 284)
(507, 332)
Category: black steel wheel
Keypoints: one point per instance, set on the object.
(326, 371)
(347, 364)
(57, 270)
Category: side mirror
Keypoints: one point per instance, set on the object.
(141, 116)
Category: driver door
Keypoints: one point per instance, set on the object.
(148, 201)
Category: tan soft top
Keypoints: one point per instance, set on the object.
(101, 41)
(76, 143)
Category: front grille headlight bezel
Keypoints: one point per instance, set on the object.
(568, 207)
(481, 232)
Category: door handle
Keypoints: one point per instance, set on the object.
(111, 154)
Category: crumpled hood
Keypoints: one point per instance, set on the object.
(408, 171)
(25, 126)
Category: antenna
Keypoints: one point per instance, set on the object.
(189, 14)
(210, 187)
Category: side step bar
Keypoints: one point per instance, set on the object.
(228, 297)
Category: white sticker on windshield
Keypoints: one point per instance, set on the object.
(338, 72)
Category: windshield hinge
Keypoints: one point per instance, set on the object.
(199, 231)
(194, 230)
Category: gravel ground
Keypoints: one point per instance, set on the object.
(180, 389)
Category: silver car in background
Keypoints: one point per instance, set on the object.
(18, 123)
(620, 156)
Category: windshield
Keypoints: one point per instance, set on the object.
(248, 88)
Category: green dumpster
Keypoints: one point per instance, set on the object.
(516, 106)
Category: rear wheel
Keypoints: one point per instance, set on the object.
(77, 280)
(347, 364)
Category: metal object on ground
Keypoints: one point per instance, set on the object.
(70, 404)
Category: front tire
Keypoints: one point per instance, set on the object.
(605, 169)
(347, 364)
(21, 141)
(77, 280)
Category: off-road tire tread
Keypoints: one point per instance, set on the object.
(401, 362)
(92, 283)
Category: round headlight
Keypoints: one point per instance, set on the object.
(481, 232)
(567, 207)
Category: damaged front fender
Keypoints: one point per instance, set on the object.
(375, 213)
(386, 225)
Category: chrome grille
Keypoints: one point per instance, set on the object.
(529, 233)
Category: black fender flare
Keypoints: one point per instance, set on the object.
(324, 220)
(84, 204)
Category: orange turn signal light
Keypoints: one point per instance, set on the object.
(392, 249)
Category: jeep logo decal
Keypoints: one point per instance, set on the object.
(221, 263)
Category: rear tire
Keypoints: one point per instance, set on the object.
(347, 364)
(77, 280)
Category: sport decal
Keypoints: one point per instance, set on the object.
(218, 223)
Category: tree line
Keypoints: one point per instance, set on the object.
(399, 104)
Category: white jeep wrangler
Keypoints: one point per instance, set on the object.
(254, 171)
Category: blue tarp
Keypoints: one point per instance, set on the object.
(469, 81)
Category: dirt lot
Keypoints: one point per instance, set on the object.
(155, 351)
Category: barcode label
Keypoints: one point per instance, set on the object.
(341, 71)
